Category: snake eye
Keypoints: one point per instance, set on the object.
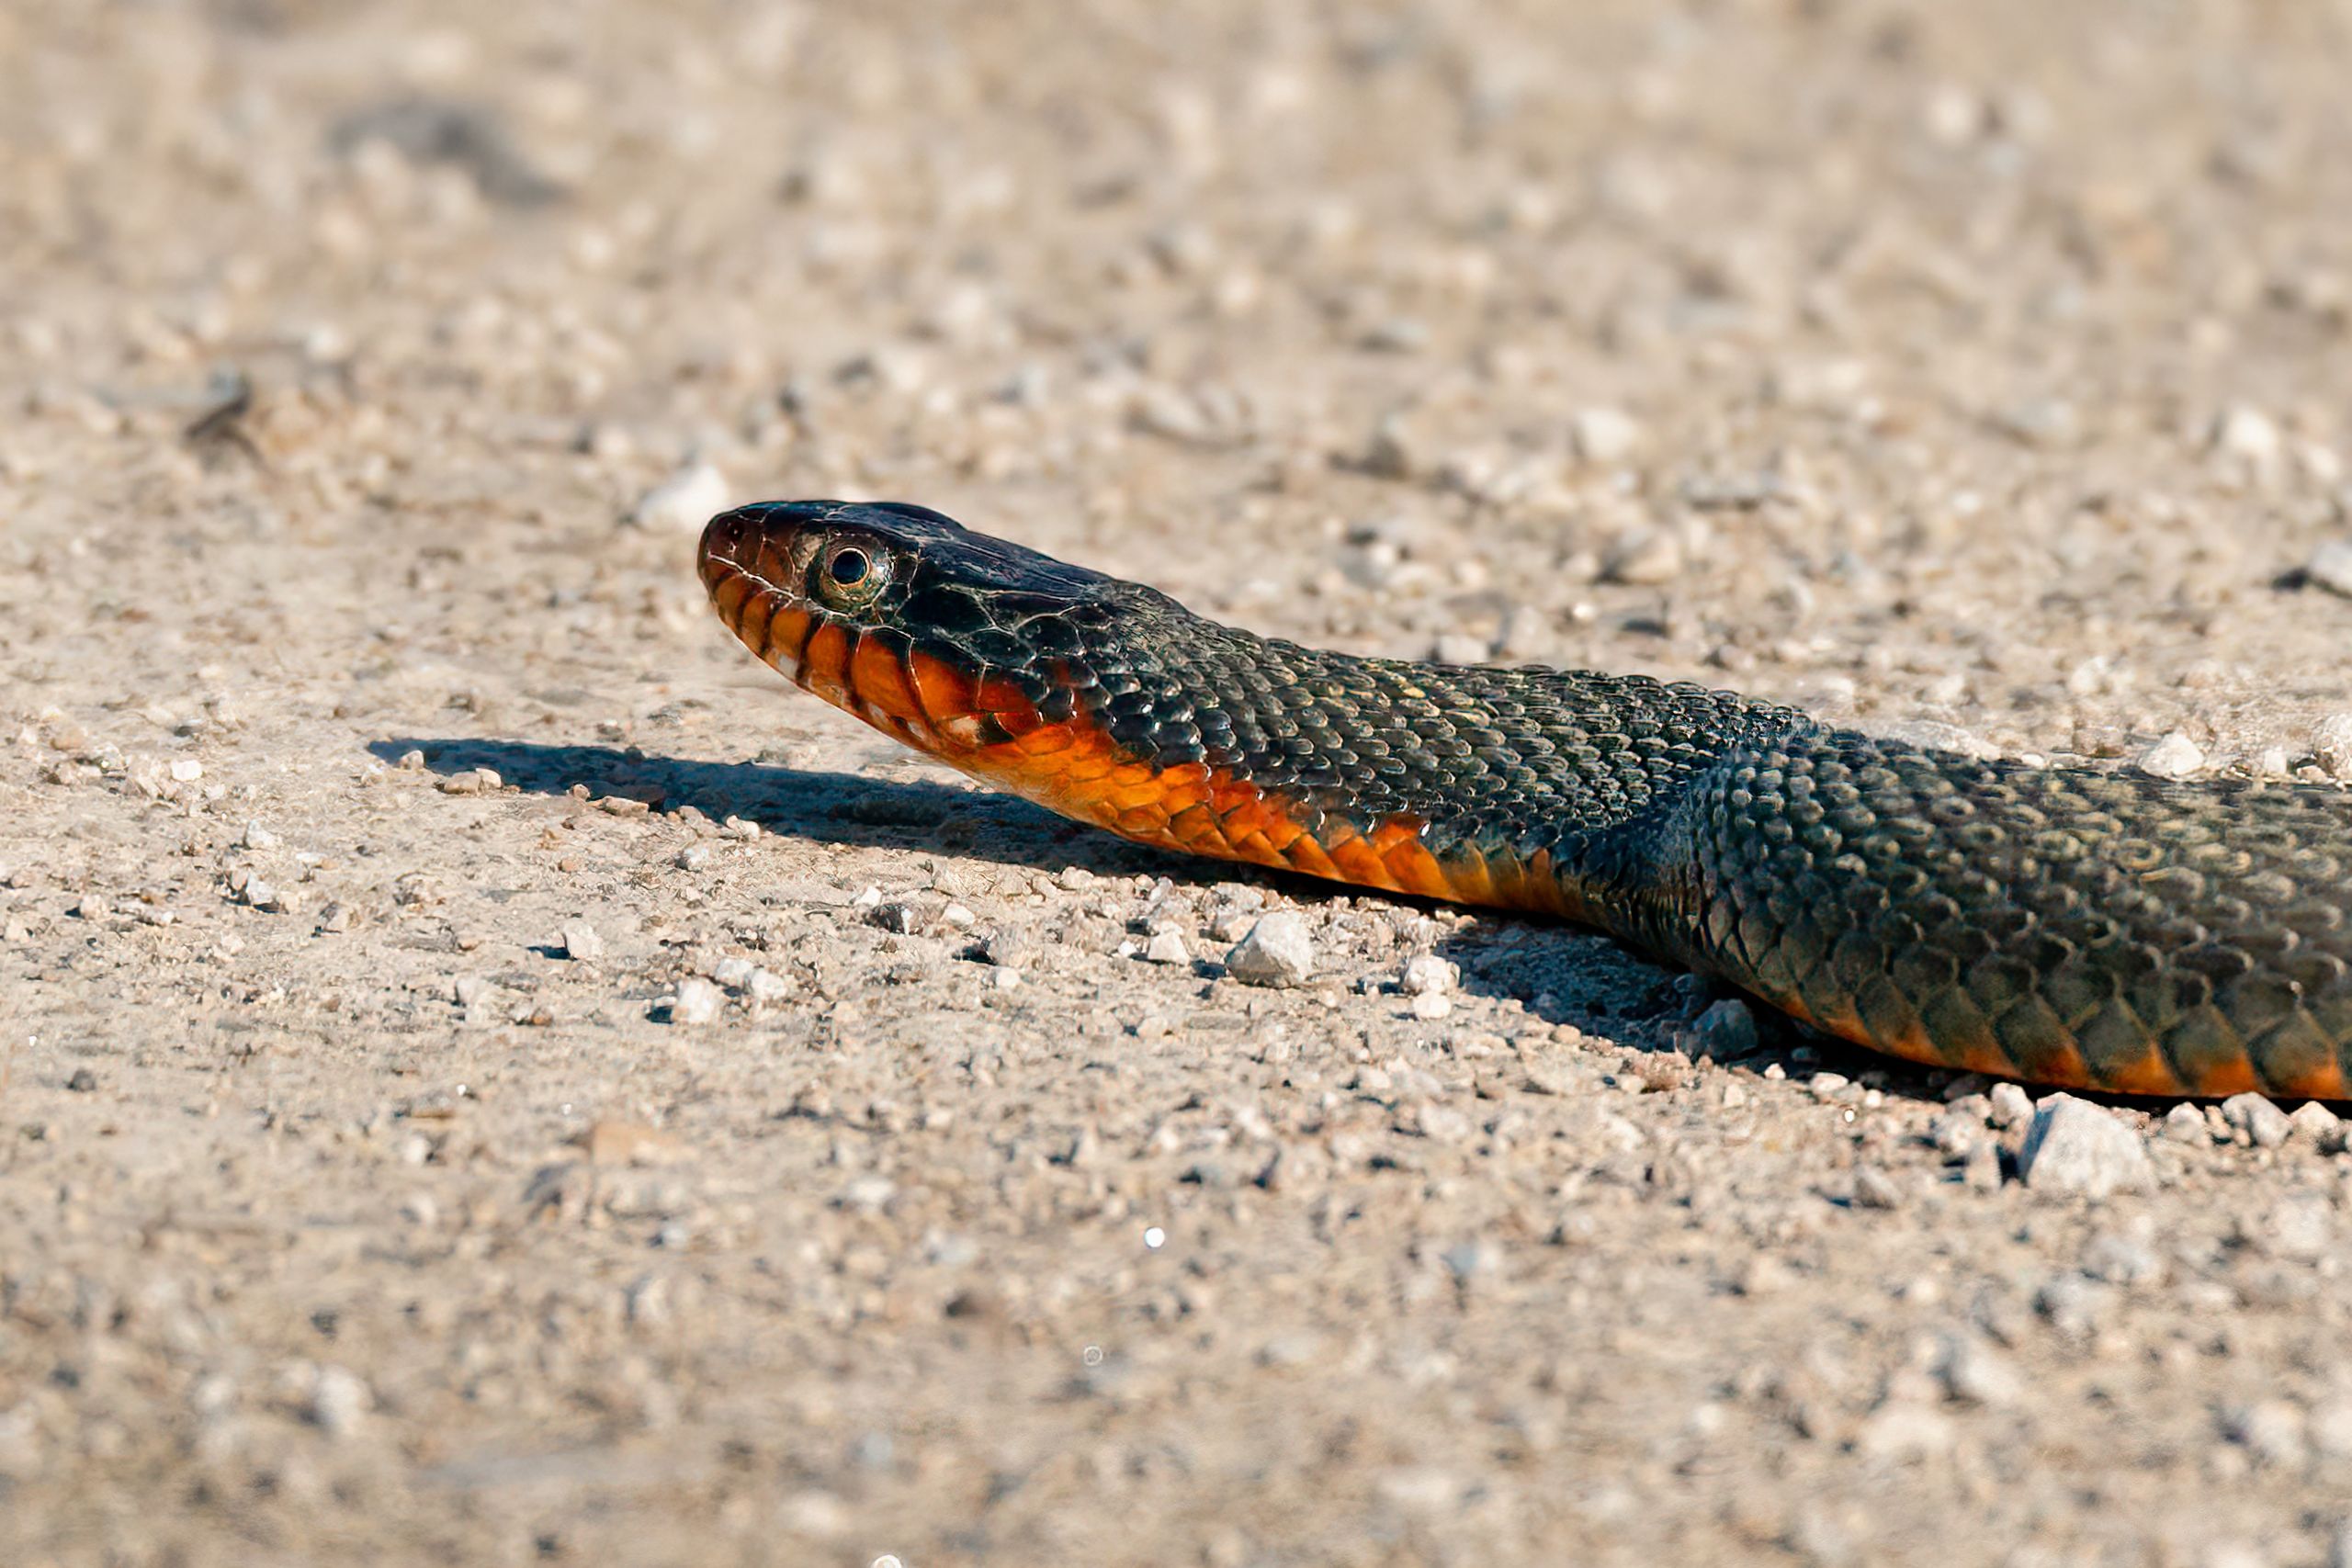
(849, 576)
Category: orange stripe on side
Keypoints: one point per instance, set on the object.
(824, 665)
(1074, 768)
(2322, 1083)
(2237, 1076)
(1533, 885)
(758, 610)
(996, 694)
(1980, 1054)
(1411, 867)
(881, 682)
(2151, 1074)
(787, 637)
(729, 594)
(944, 692)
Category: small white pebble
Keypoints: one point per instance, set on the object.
(1603, 434)
(2332, 740)
(1277, 951)
(2317, 1123)
(2173, 757)
(186, 770)
(2010, 1105)
(1454, 648)
(2184, 1123)
(1430, 1005)
(2258, 1119)
(339, 1401)
(259, 838)
(579, 940)
(1167, 947)
(1953, 115)
(684, 501)
(694, 857)
(1874, 1189)
(697, 1002)
(1973, 1373)
(2330, 567)
(1426, 974)
(2074, 1147)
(1646, 557)
(2246, 433)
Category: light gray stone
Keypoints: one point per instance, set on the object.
(683, 501)
(1425, 974)
(2322, 1127)
(2073, 1147)
(580, 941)
(2184, 1123)
(1604, 434)
(2330, 567)
(1276, 952)
(1974, 1372)
(2331, 736)
(2258, 1119)
(2173, 757)
(697, 1002)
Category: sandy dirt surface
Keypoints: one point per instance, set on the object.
(489, 1075)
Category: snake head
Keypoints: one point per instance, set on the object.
(896, 613)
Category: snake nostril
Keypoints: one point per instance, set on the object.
(722, 539)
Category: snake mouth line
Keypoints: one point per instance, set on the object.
(879, 677)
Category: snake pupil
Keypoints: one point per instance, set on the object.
(848, 568)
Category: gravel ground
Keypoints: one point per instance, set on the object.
(488, 1074)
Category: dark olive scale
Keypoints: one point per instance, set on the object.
(2049, 912)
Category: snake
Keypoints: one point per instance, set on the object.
(2066, 926)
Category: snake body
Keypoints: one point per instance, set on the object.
(2061, 926)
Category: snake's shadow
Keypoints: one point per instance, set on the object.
(823, 807)
(1560, 974)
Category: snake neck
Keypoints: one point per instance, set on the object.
(1541, 790)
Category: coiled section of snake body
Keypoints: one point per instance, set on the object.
(2065, 927)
